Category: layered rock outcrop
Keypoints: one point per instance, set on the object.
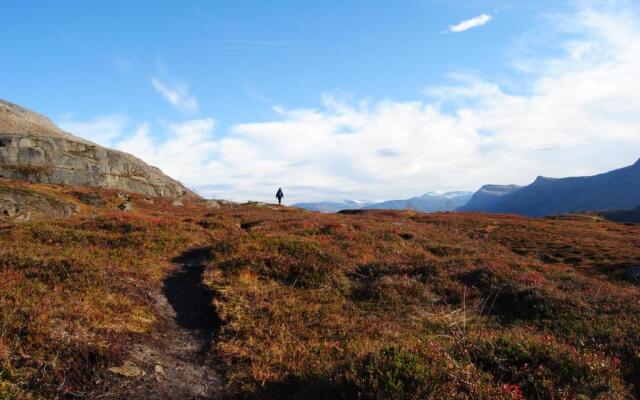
(33, 148)
(21, 204)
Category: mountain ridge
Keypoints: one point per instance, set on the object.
(618, 189)
(432, 201)
(428, 202)
(487, 195)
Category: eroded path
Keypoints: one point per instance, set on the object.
(175, 364)
(190, 299)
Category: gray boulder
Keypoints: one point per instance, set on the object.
(126, 206)
(91, 198)
(217, 203)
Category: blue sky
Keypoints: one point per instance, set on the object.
(242, 57)
(333, 99)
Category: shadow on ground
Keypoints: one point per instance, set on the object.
(190, 298)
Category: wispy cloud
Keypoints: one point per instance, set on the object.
(470, 23)
(177, 94)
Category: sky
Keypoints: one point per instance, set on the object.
(331, 100)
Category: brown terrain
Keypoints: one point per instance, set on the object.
(207, 300)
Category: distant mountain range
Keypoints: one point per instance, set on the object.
(615, 190)
(429, 202)
(333, 206)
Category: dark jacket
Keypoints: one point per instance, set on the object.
(279, 194)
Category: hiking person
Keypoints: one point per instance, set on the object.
(279, 195)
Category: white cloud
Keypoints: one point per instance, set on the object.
(103, 130)
(578, 114)
(471, 23)
(184, 153)
(177, 94)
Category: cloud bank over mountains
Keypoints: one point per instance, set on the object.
(576, 113)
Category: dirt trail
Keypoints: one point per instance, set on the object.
(175, 365)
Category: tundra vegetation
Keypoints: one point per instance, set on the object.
(369, 304)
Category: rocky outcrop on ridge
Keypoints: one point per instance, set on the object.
(33, 148)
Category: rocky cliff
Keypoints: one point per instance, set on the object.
(34, 149)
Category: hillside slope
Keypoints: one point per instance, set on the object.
(630, 216)
(34, 149)
(487, 196)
